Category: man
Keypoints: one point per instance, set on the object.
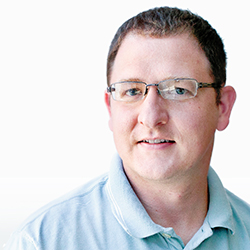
(166, 97)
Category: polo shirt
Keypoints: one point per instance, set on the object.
(106, 214)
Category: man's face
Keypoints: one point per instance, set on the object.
(186, 128)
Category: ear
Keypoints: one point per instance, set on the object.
(228, 97)
(108, 105)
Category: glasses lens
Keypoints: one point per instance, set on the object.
(128, 91)
(178, 89)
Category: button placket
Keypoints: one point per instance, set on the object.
(173, 241)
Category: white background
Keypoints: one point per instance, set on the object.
(54, 132)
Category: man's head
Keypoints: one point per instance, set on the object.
(160, 138)
(164, 22)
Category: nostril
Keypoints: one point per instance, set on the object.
(153, 119)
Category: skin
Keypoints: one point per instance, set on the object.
(170, 179)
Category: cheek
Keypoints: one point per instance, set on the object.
(196, 124)
(198, 133)
(122, 123)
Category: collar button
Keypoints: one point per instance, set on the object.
(166, 235)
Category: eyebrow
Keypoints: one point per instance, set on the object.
(139, 80)
(131, 80)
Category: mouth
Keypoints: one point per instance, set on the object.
(156, 141)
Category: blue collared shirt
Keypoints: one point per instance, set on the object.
(106, 214)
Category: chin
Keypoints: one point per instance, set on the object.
(156, 171)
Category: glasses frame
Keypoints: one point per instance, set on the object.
(199, 85)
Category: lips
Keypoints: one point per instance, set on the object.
(156, 141)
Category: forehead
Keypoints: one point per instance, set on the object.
(154, 59)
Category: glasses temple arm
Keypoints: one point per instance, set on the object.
(208, 85)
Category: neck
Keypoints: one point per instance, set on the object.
(182, 206)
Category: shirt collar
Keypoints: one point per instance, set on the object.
(220, 212)
(126, 206)
(132, 216)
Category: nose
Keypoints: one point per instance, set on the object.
(153, 111)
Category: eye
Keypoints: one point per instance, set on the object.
(181, 91)
(133, 92)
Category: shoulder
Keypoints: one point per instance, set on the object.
(238, 203)
(62, 217)
(240, 208)
(66, 206)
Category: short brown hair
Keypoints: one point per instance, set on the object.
(165, 21)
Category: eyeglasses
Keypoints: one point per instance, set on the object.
(171, 89)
